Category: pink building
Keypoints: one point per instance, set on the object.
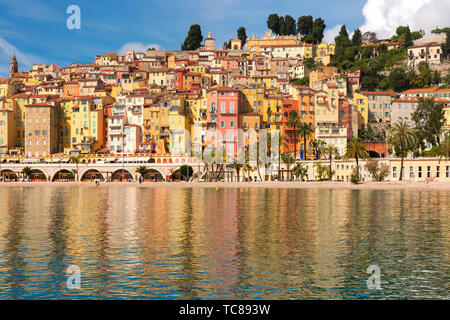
(224, 106)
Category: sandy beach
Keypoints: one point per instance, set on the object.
(267, 184)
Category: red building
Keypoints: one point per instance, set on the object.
(224, 106)
(107, 112)
(179, 78)
(345, 116)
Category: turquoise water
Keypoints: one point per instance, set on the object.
(202, 243)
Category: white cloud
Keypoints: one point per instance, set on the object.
(384, 16)
(25, 60)
(332, 33)
(137, 47)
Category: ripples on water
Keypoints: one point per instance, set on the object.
(197, 243)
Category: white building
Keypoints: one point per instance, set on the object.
(430, 53)
(333, 135)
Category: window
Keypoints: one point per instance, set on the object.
(222, 124)
(222, 107)
(231, 107)
(394, 172)
(428, 172)
(411, 172)
(447, 171)
(438, 171)
(231, 124)
(420, 172)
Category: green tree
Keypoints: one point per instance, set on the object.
(342, 42)
(331, 151)
(142, 170)
(76, 160)
(377, 171)
(403, 138)
(446, 45)
(186, 171)
(242, 35)
(318, 29)
(305, 130)
(429, 119)
(356, 150)
(287, 159)
(408, 39)
(444, 148)
(304, 25)
(357, 38)
(416, 35)
(273, 23)
(287, 26)
(308, 39)
(300, 81)
(300, 171)
(317, 146)
(369, 36)
(194, 38)
(398, 80)
(310, 63)
(27, 171)
(237, 167)
(437, 77)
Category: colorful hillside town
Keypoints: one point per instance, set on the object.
(275, 95)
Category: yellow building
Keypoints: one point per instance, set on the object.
(20, 100)
(272, 112)
(269, 82)
(8, 133)
(254, 43)
(253, 99)
(308, 50)
(179, 127)
(86, 125)
(362, 103)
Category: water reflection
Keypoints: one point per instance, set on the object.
(133, 242)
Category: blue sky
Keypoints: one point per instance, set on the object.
(36, 29)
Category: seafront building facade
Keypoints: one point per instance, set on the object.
(175, 102)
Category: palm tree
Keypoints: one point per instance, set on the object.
(444, 148)
(305, 130)
(402, 136)
(300, 171)
(287, 159)
(331, 150)
(317, 145)
(294, 123)
(27, 171)
(142, 170)
(76, 160)
(356, 150)
(248, 168)
(236, 166)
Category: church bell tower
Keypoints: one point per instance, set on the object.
(14, 67)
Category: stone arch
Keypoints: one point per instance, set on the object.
(38, 175)
(91, 175)
(9, 175)
(63, 175)
(153, 176)
(373, 154)
(121, 175)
